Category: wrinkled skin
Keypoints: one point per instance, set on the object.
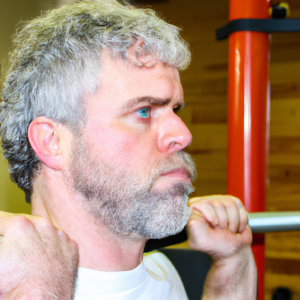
(37, 261)
(219, 227)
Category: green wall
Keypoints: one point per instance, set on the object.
(11, 12)
(12, 199)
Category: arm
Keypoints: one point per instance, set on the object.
(37, 261)
(232, 278)
(219, 227)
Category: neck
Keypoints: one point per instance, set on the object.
(99, 249)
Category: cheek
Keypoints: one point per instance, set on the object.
(124, 149)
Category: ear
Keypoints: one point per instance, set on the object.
(43, 136)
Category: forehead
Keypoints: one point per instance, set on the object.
(121, 81)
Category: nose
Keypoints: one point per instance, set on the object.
(173, 134)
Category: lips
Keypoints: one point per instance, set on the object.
(180, 173)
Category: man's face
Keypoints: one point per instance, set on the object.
(128, 165)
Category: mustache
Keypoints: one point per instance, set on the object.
(177, 161)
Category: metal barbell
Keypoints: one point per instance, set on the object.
(262, 222)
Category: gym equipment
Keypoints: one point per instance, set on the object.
(264, 222)
(249, 107)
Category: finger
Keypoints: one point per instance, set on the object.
(195, 200)
(19, 224)
(44, 226)
(5, 221)
(71, 245)
(233, 216)
(74, 247)
(208, 211)
(5, 214)
(243, 216)
(32, 218)
(197, 229)
(246, 236)
(7, 218)
(17, 227)
(221, 212)
(75, 253)
(195, 217)
(62, 236)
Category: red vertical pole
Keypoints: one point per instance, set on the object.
(248, 117)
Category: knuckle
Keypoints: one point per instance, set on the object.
(233, 198)
(219, 206)
(224, 219)
(231, 205)
(192, 244)
(74, 248)
(244, 219)
(63, 236)
(244, 214)
(74, 245)
(195, 200)
(203, 203)
(45, 223)
(21, 222)
(234, 223)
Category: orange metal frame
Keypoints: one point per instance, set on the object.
(248, 117)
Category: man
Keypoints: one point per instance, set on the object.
(90, 130)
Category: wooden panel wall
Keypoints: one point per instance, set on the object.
(205, 86)
(283, 249)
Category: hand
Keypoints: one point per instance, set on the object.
(37, 261)
(218, 226)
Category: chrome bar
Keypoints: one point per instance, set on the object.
(263, 222)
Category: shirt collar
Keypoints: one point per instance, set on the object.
(99, 282)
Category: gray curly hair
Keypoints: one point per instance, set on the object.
(56, 62)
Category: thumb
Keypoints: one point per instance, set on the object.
(198, 229)
(246, 236)
(196, 218)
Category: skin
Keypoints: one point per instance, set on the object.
(118, 132)
(219, 227)
(33, 241)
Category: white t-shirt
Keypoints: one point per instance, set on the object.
(154, 279)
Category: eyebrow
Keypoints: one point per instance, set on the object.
(148, 99)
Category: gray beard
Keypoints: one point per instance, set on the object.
(127, 204)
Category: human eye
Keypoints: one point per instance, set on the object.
(144, 112)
